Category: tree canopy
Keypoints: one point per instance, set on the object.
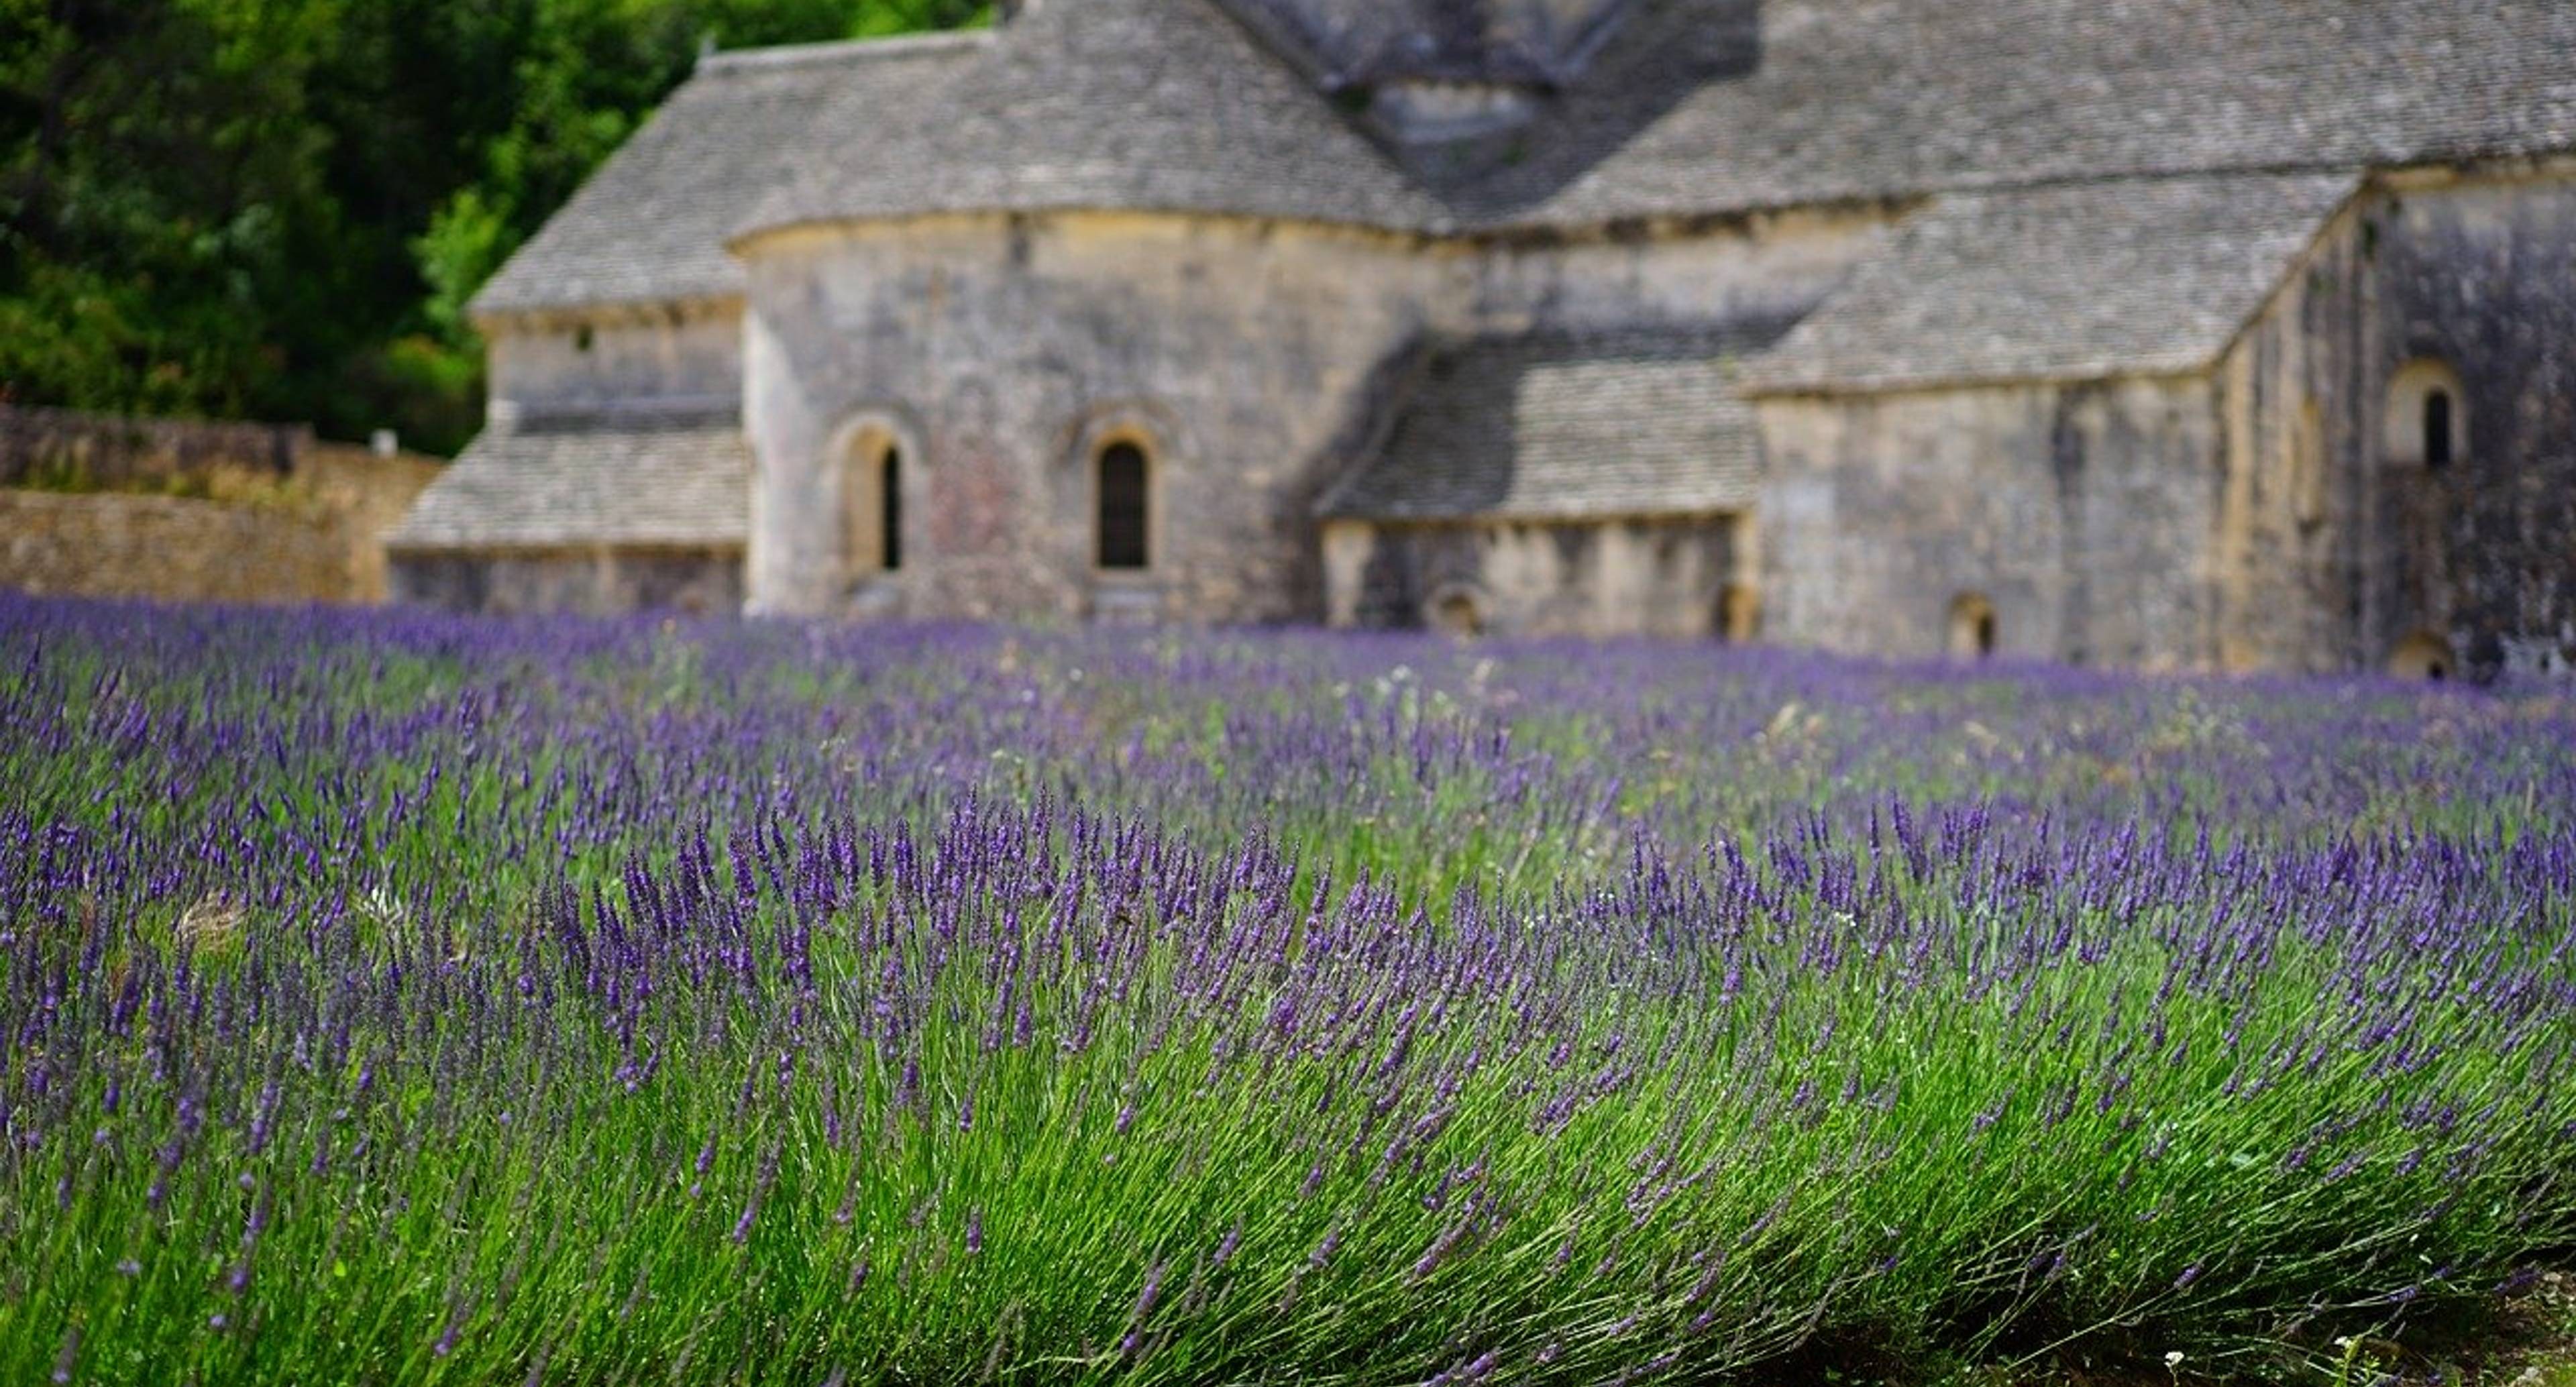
(278, 208)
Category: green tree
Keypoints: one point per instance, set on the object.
(278, 208)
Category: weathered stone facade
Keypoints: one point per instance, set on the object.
(1004, 354)
(2345, 540)
(1706, 318)
(2067, 509)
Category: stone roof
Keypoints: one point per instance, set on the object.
(1565, 427)
(649, 226)
(2087, 281)
(1165, 105)
(1709, 106)
(679, 483)
(1683, 108)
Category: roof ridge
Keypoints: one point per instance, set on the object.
(1680, 332)
(788, 55)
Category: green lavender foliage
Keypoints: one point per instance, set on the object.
(393, 998)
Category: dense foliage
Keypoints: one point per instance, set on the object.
(277, 208)
(400, 998)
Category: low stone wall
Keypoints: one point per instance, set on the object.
(313, 534)
(367, 495)
(171, 548)
(111, 452)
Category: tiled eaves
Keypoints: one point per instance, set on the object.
(1566, 426)
(603, 482)
(2128, 278)
(1173, 106)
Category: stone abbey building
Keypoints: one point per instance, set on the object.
(2222, 334)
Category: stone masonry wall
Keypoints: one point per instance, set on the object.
(2283, 515)
(2082, 513)
(2295, 477)
(687, 357)
(2480, 275)
(1003, 354)
(2341, 546)
(314, 534)
(1594, 578)
(365, 496)
(598, 582)
(171, 548)
(1251, 360)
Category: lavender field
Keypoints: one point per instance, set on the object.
(395, 998)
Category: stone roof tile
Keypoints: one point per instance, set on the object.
(643, 483)
(2085, 281)
(1712, 106)
(1166, 105)
(649, 226)
(1686, 108)
(1566, 427)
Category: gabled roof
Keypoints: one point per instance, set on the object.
(2091, 281)
(679, 483)
(649, 226)
(1568, 427)
(1684, 108)
(1841, 100)
(1164, 105)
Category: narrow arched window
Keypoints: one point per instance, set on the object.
(1457, 610)
(890, 509)
(2427, 422)
(1124, 521)
(2437, 430)
(871, 504)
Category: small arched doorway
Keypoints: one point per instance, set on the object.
(1972, 627)
(2424, 656)
(1457, 610)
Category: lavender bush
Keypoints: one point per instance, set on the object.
(391, 998)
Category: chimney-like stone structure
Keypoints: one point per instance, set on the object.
(1531, 42)
(1430, 73)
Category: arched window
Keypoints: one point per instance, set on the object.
(2427, 416)
(871, 505)
(2437, 430)
(1972, 627)
(890, 509)
(1125, 520)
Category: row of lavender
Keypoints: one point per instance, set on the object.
(401, 999)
